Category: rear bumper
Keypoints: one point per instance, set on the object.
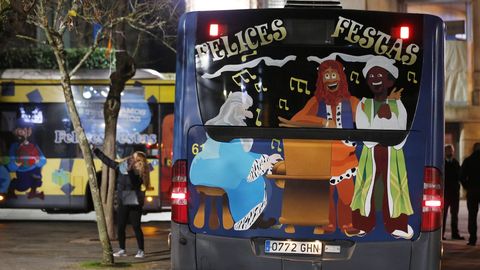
(201, 251)
(182, 246)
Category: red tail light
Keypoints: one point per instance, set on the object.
(179, 194)
(432, 200)
(213, 31)
(216, 30)
(404, 32)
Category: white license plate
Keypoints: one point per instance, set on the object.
(293, 247)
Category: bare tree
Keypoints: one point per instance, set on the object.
(39, 13)
(147, 17)
(55, 18)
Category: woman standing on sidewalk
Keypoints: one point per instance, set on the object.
(133, 173)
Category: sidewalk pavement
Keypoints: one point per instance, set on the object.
(457, 255)
(58, 245)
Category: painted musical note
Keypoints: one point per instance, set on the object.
(257, 121)
(300, 85)
(240, 76)
(284, 102)
(244, 57)
(411, 77)
(276, 144)
(260, 88)
(354, 76)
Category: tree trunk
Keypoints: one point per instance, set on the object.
(58, 49)
(109, 175)
(125, 70)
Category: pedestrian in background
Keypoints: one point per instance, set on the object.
(452, 192)
(133, 178)
(470, 179)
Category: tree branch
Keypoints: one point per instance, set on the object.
(69, 18)
(31, 39)
(169, 46)
(91, 49)
(58, 10)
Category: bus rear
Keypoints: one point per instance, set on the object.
(308, 139)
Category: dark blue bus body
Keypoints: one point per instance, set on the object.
(308, 139)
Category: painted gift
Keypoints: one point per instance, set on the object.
(61, 177)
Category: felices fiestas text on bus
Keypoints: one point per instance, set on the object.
(352, 31)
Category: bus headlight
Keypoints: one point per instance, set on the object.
(149, 199)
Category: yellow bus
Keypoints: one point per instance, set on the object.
(41, 165)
